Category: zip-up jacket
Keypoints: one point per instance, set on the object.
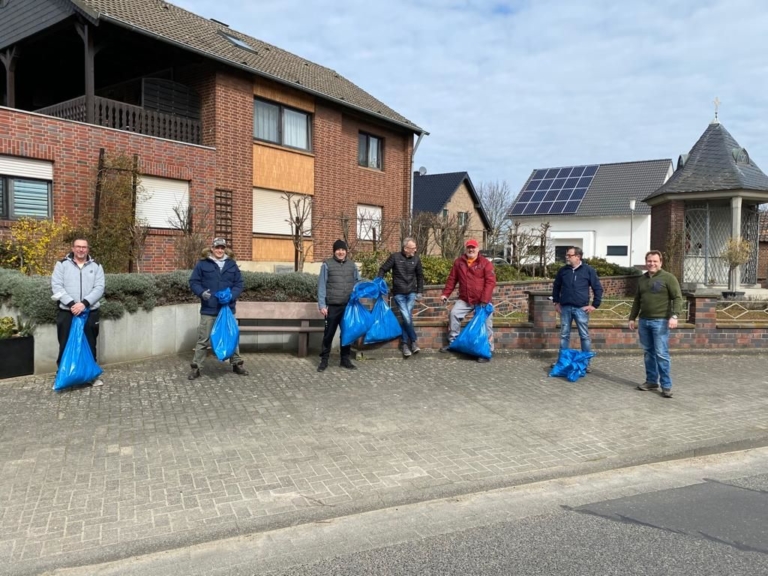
(208, 276)
(71, 284)
(476, 282)
(571, 286)
(336, 281)
(407, 273)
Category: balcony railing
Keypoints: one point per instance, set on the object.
(122, 116)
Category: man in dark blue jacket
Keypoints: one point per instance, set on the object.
(215, 271)
(570, 295)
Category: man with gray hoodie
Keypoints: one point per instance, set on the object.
(77, 283)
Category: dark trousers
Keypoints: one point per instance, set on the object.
(333, 321)
(64, 324)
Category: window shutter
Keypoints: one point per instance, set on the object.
(160, 196)
(30, 199)
(368, 217)
(270, 213)
(26, 168)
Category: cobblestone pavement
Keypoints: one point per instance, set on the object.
(151, 461)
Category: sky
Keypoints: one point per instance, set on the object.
(506, 86)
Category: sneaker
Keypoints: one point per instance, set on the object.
(406, 351)
(195, 373)
(323, 365)
(589, 370)
(646, 386)
(415, 348)
(239, 370)
(666, 393)
(483, 360)
(445, 348)
(97, 382)
(347, 363)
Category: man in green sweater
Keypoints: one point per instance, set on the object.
(658, 301)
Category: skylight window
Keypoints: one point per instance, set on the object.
(238, 42)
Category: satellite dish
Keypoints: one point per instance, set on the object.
(422, 171)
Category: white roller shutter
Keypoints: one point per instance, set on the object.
(368, 218)
(270, 213)
(26, 168)
(160, 196)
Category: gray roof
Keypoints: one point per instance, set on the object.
(175, 25)
(612, 188)
(716, 162)
(432, 192)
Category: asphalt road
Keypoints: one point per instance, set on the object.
(702, 516)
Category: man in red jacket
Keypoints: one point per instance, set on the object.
(476, 279)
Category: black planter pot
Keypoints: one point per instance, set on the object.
(730, 295)
(18, 357)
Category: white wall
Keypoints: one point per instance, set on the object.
(594, 235)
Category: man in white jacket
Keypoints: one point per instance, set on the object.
(78, 283)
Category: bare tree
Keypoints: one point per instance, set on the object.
(449, 233)
(521, 241)
(191, 241)
(422, 224)
(497, 199)
(300, 220)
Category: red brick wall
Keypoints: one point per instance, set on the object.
(74, 150)
(665, 218)
(340, 184)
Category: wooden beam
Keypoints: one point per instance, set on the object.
(9, 58)
(86, 33)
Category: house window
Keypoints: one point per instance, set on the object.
(281, 125)
(368, 222)
(161, 201)
(369, 150)
(23, 198)
(616, 251)
(445, 213)
(271, 214)
(463, 218)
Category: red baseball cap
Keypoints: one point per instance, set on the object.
(471, 242)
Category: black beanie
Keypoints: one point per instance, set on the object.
(339, 245)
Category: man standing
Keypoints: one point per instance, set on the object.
(78, 284)
(215, 271)
(570, 295)
(658, 301)
(407, 286)
(476, 278)
(334, 287)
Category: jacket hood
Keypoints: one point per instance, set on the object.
(207, 252)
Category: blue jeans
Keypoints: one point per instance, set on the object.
(654, 338)
(405, 305)
(567, 315)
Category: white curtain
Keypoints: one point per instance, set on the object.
(374, 161)
(265, 121)
(295, 129)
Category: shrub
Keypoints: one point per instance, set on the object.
(35, 245)
(605, 268)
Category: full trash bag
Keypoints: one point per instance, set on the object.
(473, 339)
(385, 326)
(77, 366)
(225, 334)
(572, 364)
(357, 318)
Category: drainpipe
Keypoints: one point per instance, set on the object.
(413, 158)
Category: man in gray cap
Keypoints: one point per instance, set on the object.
(215, 271)
(334, 287)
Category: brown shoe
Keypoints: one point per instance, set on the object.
(646, 386)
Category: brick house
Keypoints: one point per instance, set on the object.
(216, 120)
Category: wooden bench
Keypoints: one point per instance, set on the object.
(281, 317)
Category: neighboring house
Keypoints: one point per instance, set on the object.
(216, 119)
(714, 195)
(453, 198)
(592, 207)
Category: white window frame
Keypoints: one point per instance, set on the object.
(271, 214)
(368, 218)
(158, 197)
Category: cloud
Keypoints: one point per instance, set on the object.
(508, 86)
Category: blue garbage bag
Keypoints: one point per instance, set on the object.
(473, 339)
(381, 284)
(225, 334)
(385, 326)
(224, 296)
(572, 364)
(77, 365)
(357, 318)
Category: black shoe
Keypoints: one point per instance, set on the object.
(646, 386)
(347, 363)
(195, 373)
(415, 348)
(666, 393)
(239, 370)
(322, 366)
(482, 360)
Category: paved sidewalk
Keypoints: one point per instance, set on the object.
(152, 461)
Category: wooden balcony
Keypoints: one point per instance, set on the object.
(122, 116)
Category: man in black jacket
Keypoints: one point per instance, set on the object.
(407, 287)
(570, 295)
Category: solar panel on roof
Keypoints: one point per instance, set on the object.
(555, 190)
